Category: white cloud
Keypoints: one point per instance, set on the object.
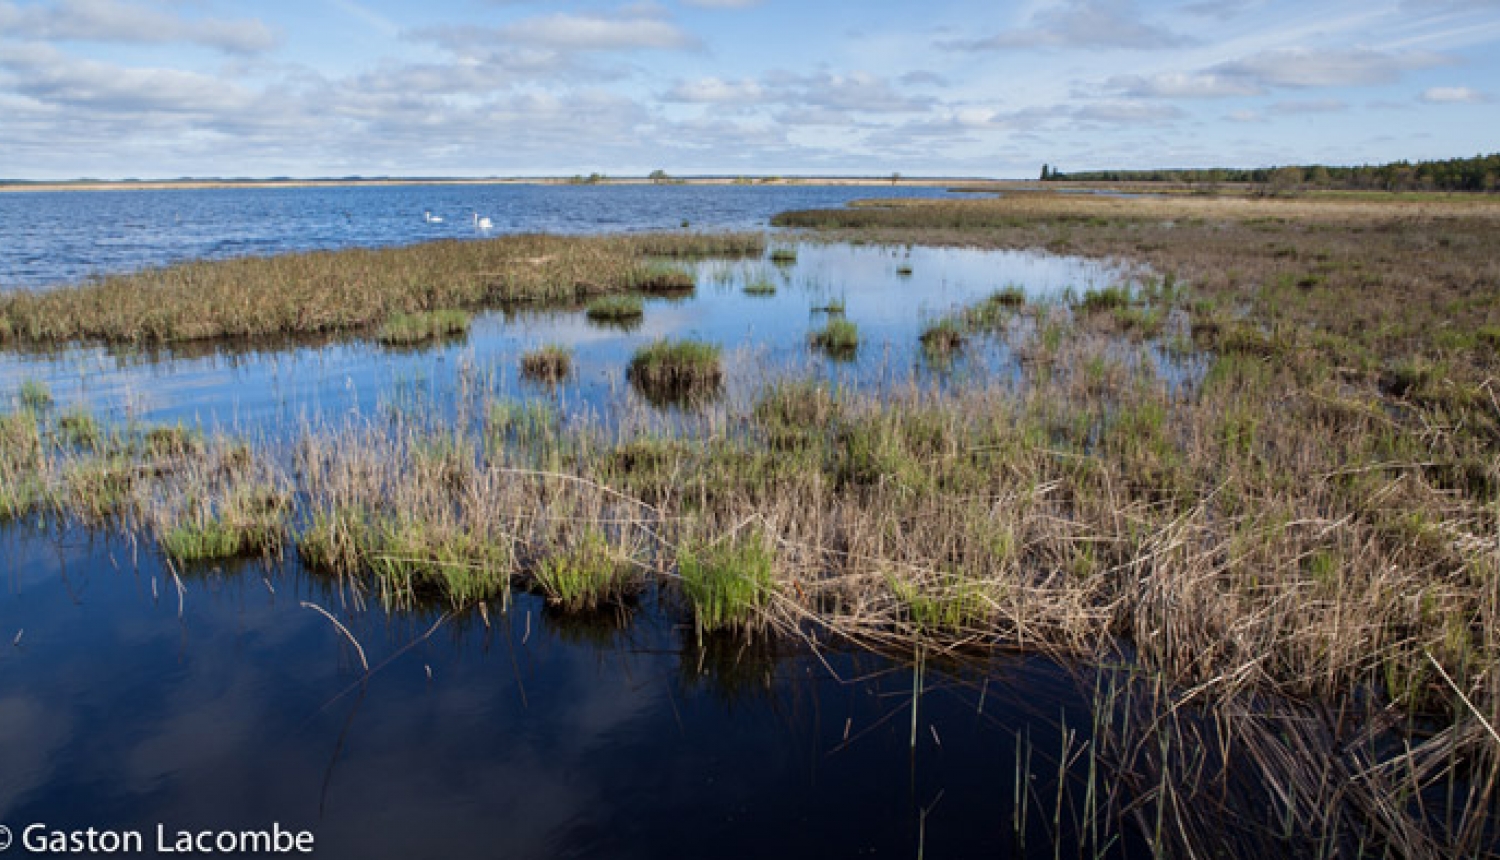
(118, 21)
(1303, 67)
(1453, 95)
(1080, 24)
(1179, 85)
(721, 4)
(565, 31)
(1309, 106)
(1126, 112)
(717, 91)
(47, 75)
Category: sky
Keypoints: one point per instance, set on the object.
(145, 89)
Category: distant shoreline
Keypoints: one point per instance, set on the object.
(197, 184)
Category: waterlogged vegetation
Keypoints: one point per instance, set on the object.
(1254, 488)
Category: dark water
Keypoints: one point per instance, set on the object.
(125, 704)
(52, 237)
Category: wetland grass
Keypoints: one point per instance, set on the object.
(760, 287)
(1292, 549)
(354, 290)
(677, 370)
(838, 337)
(585, 575)
(402, 329)
(550, 363)
(616, 309)
(726, 582)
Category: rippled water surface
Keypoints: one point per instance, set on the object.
(52, 237)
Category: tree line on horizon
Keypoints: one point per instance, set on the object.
(1480, 173)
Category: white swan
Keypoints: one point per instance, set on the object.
(484, 225)
(431, 218)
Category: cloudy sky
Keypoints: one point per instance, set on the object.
(166, 88)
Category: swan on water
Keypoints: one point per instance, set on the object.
(431, 218)
(483, 224)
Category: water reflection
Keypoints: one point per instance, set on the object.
(266, 387)
(520, 732)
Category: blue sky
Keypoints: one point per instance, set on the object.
(166, 88)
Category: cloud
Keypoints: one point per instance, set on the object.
(716, 91)
(566, 31)
(1126, 112)
(1244, 116)
(810, 99)
(1312, 106)
(1179, 85)
(1301, 67)
(1453, 96)
(1080, 24)
(118, 21)
(45, 74)
(721, 4)
(923, 78)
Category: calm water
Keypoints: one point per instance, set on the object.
(52, 237)
(128, 699)
(123, 706)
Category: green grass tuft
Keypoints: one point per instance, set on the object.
(677, 370)
(839, 338)
(408, 329)
(727, 582)
(616, 309)
(585, 576)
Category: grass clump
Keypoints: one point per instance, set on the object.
(585, 576)
(1111, 298)
(410, 556)
(676, 370)
(832, 307)
(727, 582)
(783, 255)
(403, 329)
(550, 363)
(943, 337)
(78, 427)
(252, 521)
(35, 396)
(616, 309)
(839, 338)
(660, 278)
(904, 270)
(760, 287)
